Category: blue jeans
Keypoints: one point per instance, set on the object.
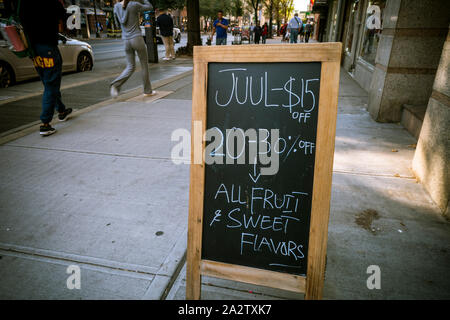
(48, 64)
(294, 35)
(221, 41)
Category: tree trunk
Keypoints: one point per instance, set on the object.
(193, 24)
(270, 19)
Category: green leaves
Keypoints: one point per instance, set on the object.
(168, 4)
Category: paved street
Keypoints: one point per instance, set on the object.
(112, 49)
(21, 104)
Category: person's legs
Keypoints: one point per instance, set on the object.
(307, 37)
(294, 35)
(221, 41)
(166, 46)
(263, 39)
(59, 105)
(171, 47)
(48, 64)
(129, 69)
(138, 45)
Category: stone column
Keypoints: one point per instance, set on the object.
(411, 42)
(431, 162)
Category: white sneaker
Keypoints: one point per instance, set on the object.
(166, 59)
(150, 94)
(114, 92)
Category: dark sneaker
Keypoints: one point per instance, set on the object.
(63, 116)
(46, 130)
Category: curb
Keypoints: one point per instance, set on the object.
(24, 130)
(169, 272)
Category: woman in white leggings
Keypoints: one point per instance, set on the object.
(126, 14)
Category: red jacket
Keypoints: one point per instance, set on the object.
(265, 32)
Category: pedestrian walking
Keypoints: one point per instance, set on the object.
(220, 27)
(283, 31)
(265, 32)
(41, 24)
(308, 30)
(301, 34)
(295, 27)
(126, 14)
(99, 27)
(165, 23)
(257, 33)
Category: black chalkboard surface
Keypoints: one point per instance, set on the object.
(251, 219)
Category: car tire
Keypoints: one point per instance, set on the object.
(7, 77)
(84, 62)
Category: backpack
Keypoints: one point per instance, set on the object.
(13, 32)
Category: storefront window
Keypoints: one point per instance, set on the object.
(372, 30)
(333, 17)
(350, 27)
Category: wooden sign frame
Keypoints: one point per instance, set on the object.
(329, 54)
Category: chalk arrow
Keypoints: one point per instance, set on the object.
(254, 177)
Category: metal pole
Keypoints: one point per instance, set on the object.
(150, 36)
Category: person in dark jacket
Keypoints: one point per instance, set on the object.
(41, 21)
(257, 32)
(165, 24)
(308, 30)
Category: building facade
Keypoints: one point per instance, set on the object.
(97, 18)
(397, 50)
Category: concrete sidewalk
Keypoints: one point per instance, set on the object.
(103, 194)
(379, 216)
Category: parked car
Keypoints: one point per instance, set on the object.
(176, 34)
(76, 55)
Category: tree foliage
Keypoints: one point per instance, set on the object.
(168, 4)
(254, 4)
(286, 8)
(237, 8)
(209, 9)
(270, 5)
